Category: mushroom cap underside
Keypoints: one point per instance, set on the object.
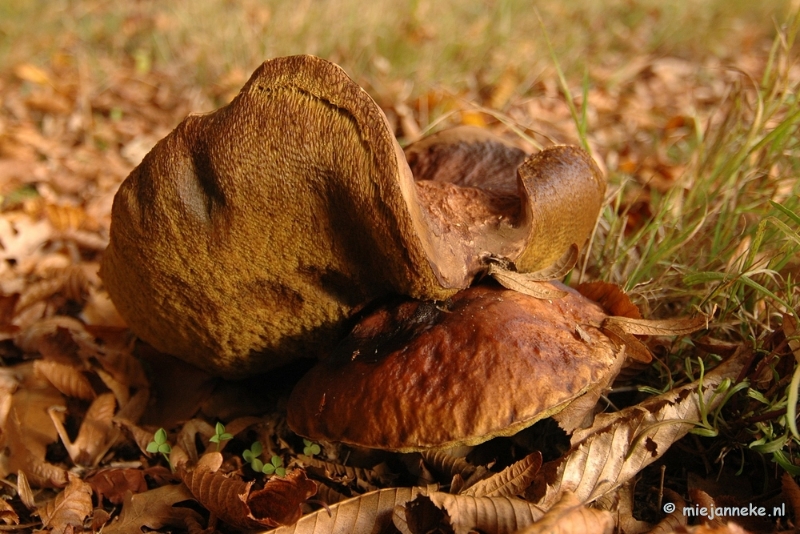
(487, 362)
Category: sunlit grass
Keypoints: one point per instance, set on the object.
(420, 42)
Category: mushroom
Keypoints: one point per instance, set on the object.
(248, 235)
(487, 362)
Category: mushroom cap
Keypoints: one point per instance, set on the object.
(247, 236)
(487, 362)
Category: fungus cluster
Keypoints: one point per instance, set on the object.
(249, 235)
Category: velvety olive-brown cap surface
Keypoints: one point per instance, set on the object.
(247, 236)
(487, 362)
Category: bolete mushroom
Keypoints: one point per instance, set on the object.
(487, 362)
(247, 235)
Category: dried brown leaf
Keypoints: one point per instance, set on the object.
(24, 491)
(568, 516)
(791, 333)
(7, 513)
(69, 508)
(524, 283)
(611, 297)
(448, 464)
(280, 500)
(634, 349)
(140, 436)
(791, 491)
(465, 513)
(187, 436)
(344, 474)
(511, 481)
(114, 483)
(675, 520)
(25, 450)
(65, 378)
(368, 513)
(660, 327)
(154, 509)
(96, 435)
(619, 445)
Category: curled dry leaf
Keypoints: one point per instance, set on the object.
(345, 473)
(65, 378)
(232, 501)
(611, 297)
(791, 491)
(450, 465)
(659, 327)
(113, 483)
(25, 450)
(278, 503)
(675, 520)
(96, 435)
(69, 509)
(511, 481)
(371, 512)
(154, 509)
(465, 513)
(524, 283)
(619, 445)
(570, 516)
(24, 491)
(7, 513)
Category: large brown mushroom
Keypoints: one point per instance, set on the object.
(487, 362)
(246, 236)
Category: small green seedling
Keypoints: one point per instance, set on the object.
(160, 445)
(310, 448)
(275, 466)
(220, 435)
(251, 456)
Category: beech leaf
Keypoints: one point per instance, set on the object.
(524, 283)
(69, 508)
(661, 327)
(619, 445)
(371, 512)
(569, 515)
(65, 378)
(513, 480)
(465, 513)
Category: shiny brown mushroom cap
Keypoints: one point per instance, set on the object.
(487, 362)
